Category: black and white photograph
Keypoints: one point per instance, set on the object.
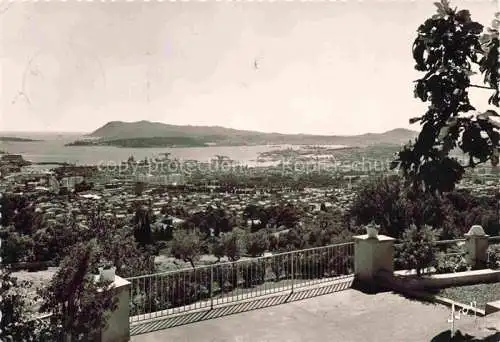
(250, 171)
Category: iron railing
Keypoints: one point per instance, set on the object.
(205, 287)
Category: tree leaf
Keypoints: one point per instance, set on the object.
(420, 91)
(474, 27)
(494, 160)
(465, 107)
(394, 164)
(440, 8)
(486, 115)
(443, 132)
(414, 120)
(463, 16)
(418, 50)
(494, 99)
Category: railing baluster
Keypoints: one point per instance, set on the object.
(185, 290)
(211, 287)
(162, 296)
(176, 295)
(150, 298)
(338, 263)
(317, 265)
(236, 280)
(143, 296)
(155, 288)
(312, 266)
(248, 279)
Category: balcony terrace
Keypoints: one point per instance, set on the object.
(345, 316)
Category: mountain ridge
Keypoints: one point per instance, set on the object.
(218, 135)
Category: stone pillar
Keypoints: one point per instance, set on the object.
(372, 255)
(476, 242)
(118, 324)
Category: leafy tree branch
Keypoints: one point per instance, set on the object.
(449, 47)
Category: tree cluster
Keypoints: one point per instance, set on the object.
(392, 206)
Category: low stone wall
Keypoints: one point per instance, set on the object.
(400, 282)
(409, 284)
(492, 307)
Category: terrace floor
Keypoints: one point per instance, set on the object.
(343, 316)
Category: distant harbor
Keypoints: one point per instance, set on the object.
(52, 151)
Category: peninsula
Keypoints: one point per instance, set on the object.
(146, 134)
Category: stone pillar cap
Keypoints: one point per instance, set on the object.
(381, 238)
(476, 230)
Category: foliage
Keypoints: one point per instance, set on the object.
(119, 247)
(218, 248)
(451, 263)
(139, 188)
(142, 228)
(479, 293)
(418, 249)
(253, 272)
(83, 186)
(233, 244)
(325, 228)
(291, 240)
(447, 48)
(150, 142)
(78, 305)
(379, 201)
(257, 243)
(225, 276)
(17, 248)
(54, 241)
(15, 324)
(37, 240)
(186, 246)
(282, 266)
(215, 219)
(18, 212)
(388, 203)
(494, 257)
(273, 243)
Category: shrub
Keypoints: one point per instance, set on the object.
(233, 244)
(494, 257)
(451, 263)
(186, 246)
(17, 248)
(14, 325)
(310, 267)
(281, 265)
(418, 249)
(224, 276)
(257, 243)
(253, 273)
(379, 201)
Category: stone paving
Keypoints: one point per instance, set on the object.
(345, 316)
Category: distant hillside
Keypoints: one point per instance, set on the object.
(16, 139)
(142, 142)
(206, 135)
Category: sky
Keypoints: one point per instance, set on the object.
(288, 67)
